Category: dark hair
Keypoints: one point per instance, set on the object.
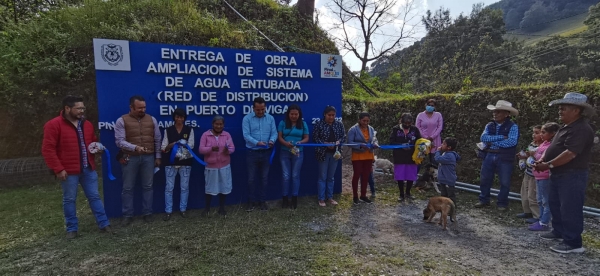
(218, 118)
(70, 101)
(451, 142)
(179, 112)
(288, 122)
(363, 114)
(551, 127)
(537, 127)
(431, 101)
(134, 98)
(328, 109)
(258, 100)
(406, 116)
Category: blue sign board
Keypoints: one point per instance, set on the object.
(205, 82)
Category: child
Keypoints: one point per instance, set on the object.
(446, 158)
(543, 179)
(531, 210)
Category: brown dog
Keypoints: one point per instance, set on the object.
(443, 205)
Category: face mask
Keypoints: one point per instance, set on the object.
(405, 126)
(429, 108)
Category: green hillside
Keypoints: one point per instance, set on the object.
(564, 27)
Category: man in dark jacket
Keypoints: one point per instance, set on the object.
(65, 150)
(500, 138)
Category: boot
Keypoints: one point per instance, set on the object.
(294, 202)
(285, 203)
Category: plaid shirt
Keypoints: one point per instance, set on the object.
(498, 141)
(82, 146)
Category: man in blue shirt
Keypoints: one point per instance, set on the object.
(260, 133)
(500, 138)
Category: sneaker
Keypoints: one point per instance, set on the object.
(322, 203)
(183, 214)
(501, 208)
(525, 216)
(167, 217)
(566, 249)
(481, 204)
(532, 220)
(264, 206)
(550, 236)
(71, 235)
(356, 201)
(249, 206)
(332, 202)
(373, 194)
(365, 199)
(222, 212)
(148, 218)
(126, 221)
(538, 227)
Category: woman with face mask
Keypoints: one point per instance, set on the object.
(430, 123)
(405, 168)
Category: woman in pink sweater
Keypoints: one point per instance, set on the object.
(216, 145)
(542, 179)
(430, 124)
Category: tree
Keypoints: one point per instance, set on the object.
(306, 7)
(370, 18)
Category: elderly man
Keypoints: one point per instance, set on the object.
(568, 158)
(138, 136)
(67, 138)
(500, 138)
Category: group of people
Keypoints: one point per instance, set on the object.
(556, 167)
(553, 188)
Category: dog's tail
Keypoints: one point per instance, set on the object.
(452, 212)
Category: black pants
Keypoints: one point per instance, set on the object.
(448, 191)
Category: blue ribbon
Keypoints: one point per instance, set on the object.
(108, 165)
(368, 145)
(176, 147)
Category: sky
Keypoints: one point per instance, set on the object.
(327, 20)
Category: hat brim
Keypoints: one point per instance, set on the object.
(588, 110)
(513, 111)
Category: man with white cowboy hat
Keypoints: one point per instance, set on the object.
(568, 158)
(500, 138)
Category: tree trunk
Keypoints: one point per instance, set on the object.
(306, 7)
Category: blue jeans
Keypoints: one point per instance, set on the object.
(184, 182)
(89, 183)
(258, 160)
(142, 166)
(494, 164)
(327, 170)
(567, 193)
(543, 192)
(290, 166)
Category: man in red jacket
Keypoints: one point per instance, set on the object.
(65, 150)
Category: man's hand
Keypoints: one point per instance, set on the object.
(157, 162)
(540, 166)
(62, 175)
(505, 137)
(170, 146)
(261, 144)
(215, 148)
(270, 144)
(140, 149)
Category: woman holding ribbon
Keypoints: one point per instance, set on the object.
(292, 132)
(328, 131)
(361, 138)
(405, 169)
(216, 145)
(430, 124)
(181, 135)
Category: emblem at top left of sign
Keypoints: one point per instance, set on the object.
(112, 54)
